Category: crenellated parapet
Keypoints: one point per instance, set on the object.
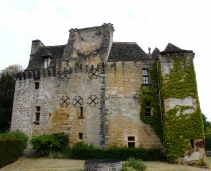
(92, 70)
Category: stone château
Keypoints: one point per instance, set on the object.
(111, 94)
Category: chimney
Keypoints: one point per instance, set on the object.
(36, 44)
(149, 51)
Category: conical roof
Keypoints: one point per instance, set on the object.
(155, 53)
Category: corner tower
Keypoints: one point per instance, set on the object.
(183, 125)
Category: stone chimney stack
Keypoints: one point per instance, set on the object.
(149, 51)
(36, 44)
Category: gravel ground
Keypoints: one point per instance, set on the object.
(44, 164)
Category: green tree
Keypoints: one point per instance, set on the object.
(12, 69)
(207, 130)
(7, 88)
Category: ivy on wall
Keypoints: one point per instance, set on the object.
(180, 128)
(181, 82)
(150, 94)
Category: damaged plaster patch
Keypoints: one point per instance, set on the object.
(188, 101)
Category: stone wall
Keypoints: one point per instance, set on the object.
(60, 99)
(122, 105)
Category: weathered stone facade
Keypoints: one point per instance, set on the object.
(89, 89)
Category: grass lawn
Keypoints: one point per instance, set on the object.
(44, 164)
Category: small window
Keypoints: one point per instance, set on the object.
(37, 83)
(81, 112)
(37, 115)
(80, 136)
(131, 142)
(131, 138)
(147, 109)
(192, 143)
(145, 75)
(45, 63)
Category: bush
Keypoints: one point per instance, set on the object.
(133, 164)
(63, 154)
(85, 152)
(208, 143)
(10, 151)
(16, 134)
(49, 143)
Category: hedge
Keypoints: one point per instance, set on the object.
(16, 134)
(152, 154)
(10, 150)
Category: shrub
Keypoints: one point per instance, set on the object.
(49, 143)
(10, 151)
(63, 154)
(85, 152)
(133, 164)
(16, 134)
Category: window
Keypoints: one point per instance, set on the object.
(131, 142)
(145, 75)
(80, 136)
(192, 143)
(148, 109)
(81, 112)
(37, 83)
(45, 63)
(37, 115)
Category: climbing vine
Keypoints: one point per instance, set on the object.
(181, 127)
(181, 82)
(181, 124)
(149, 95)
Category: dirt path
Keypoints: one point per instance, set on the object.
(44, 164)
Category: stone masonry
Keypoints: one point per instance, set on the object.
(88, 89)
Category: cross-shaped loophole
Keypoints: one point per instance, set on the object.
(65, 101)
(93, 73)
(65, 75)
(78, 101)
(92, 100)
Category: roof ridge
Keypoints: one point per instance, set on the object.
(55, 46)
(125, 42)
(170, 48)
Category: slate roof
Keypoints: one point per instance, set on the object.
(170, 48)
(155, 53)
(54, 52)
(126, 51)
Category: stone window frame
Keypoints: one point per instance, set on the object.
(148, 109)
(37, 115)
(81, 116)
(145, 76)
(45, 63)
(131, 141)
(80, 136)
(37, 84)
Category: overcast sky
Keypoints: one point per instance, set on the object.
(150, 23)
